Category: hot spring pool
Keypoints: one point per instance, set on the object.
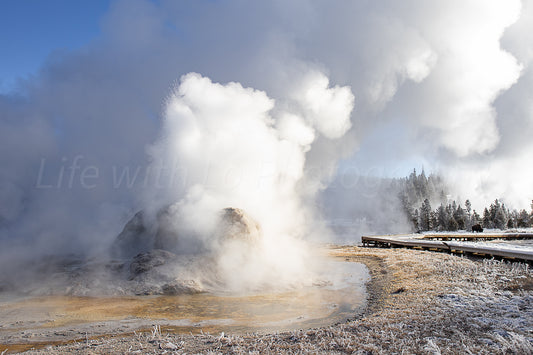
(341, 296)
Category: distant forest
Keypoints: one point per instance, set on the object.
(419, 192)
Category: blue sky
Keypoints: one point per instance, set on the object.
(31, 29)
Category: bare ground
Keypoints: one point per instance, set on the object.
(420, 302)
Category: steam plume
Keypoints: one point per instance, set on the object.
(229, 146)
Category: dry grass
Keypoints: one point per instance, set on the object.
(426, 303)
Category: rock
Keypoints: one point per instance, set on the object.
(180, 287)
(142, 235)
(235, 224)
(114, 266)
(143, 289)
(167, 236)
(168, 346)
(145, 262)
(135, 238)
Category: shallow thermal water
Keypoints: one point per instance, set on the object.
(342, 296)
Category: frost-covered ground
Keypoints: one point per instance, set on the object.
(421, 302)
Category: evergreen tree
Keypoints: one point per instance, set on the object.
(500, 217)
(424, 221)
(449, 216)
(487, 223)
(468, 207)
(422, 185)
(493, 209)
(442, 218)
(523, 220)
(415, 219)
(512, 219)
(433, 220)
(460, 217)
(468, 215)
(453, 225)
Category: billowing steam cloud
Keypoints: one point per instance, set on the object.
(446, 85)
(230, 146)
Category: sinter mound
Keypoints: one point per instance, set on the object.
(163, 259)
(142, 234)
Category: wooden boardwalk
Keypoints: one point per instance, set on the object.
(410, 241)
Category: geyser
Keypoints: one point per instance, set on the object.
(231, 180)
(167, 259)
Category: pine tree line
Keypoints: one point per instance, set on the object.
(453, 217)
(422, 191)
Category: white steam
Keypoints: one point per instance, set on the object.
(326, 109)
(475, 70)
(233, 151)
